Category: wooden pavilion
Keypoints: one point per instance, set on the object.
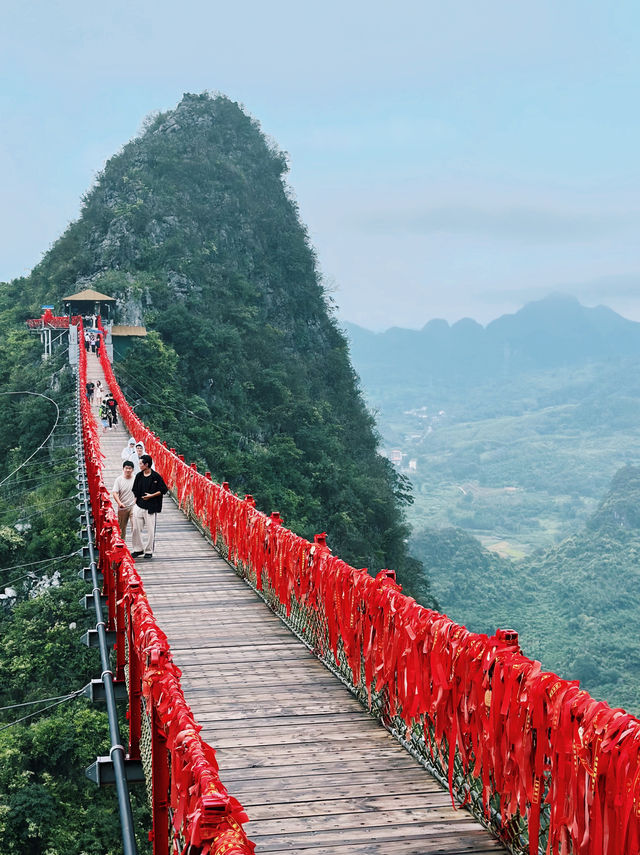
(89, 303)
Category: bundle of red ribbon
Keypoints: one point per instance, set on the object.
(522, 731)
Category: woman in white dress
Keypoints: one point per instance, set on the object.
(99, 393)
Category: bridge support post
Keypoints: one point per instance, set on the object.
(135, 692)
(116, 614)
(110, 590)
(160, 786)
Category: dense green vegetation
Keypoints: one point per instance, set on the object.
(525, 478)
(518, 455)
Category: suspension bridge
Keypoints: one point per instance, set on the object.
(281, 700)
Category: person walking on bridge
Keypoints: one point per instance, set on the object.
(129, 453)
(112, 404)
(123, 494)
(105, 416)
(148, 488)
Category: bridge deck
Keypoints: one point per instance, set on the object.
(314, 771)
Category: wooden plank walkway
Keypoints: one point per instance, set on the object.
(316, 774)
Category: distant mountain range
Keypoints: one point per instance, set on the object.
(553, 332)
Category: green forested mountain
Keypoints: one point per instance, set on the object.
(193, 229)
(576, 605)
(512, 434)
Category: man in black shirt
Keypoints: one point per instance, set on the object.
(148, 488)
(111, 402)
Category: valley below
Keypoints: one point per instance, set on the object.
(526, 491)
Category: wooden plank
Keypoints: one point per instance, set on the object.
(399, 847)
(433, 839)
(342, 787)
(318, 739)
(346, 727)
(256, 669)
(385, 806)
(244, 715)
(432, 821)
(297, 755)
(312, 777)
(241, 655)
(296, 686)
(237, 718)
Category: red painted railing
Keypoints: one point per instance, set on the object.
(529, 743)
(49, 320)
(192, 810)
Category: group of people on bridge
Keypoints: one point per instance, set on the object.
(106, 404)
(92, 341)
(139, 498)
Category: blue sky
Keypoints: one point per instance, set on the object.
(449, 159)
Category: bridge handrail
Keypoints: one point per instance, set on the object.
(205, 818)
(532, 743)
(49, 320)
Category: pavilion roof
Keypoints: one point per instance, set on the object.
(127, 330)
(89, 295)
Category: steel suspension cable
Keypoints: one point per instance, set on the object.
(37, 478)
(42, 561)
(34, 509)
(44, 709)
(163, 406)
(42, 444)
(39, 701)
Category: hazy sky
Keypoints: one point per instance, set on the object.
(449, 159)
